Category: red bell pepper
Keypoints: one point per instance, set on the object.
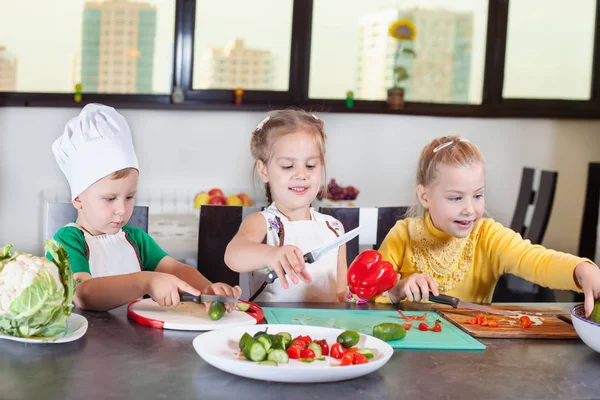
(369, 275)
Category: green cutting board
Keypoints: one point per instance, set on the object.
(450, 338)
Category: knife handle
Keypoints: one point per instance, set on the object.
(444, 299)
(189, 297)
(308, 258)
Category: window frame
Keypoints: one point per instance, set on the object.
(493, 105)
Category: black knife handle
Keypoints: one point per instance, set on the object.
(444, 299)
(189, 297)
(308, 258)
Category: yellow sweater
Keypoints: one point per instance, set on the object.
(469, 268)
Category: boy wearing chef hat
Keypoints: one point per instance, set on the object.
(114, 263)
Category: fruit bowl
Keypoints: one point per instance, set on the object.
(217, 196)
(587, 330)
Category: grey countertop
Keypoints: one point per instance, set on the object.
(119, 359)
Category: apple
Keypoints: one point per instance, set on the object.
(201, 199)
(246, 200)
(233, 200)
(219, 200)
(215, 192)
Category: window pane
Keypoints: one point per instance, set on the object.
(352, 49)
(549, 49)
(243, 44)
(50, 46)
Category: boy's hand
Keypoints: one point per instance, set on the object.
(414, 288)
(288, 260)
(223, 289)
(588, 277)
(164, 288)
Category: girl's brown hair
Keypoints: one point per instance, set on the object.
(280, 123)
(453, 150)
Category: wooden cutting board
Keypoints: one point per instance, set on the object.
(551, 326)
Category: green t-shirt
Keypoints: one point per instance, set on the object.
(72, 239)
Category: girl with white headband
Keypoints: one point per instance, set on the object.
(449, 247)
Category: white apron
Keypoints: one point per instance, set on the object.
(110, 255)
(306, 235)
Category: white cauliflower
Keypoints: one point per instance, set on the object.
(35, 293)
(19, 274)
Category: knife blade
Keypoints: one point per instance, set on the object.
(455, 302)
(313, 255)
(205, 298)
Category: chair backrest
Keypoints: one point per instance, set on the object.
(375, 223)
(588, 238)
(536, 202)
(218, 225)
(58, 215)
(513, 288)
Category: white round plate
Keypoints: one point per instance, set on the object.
(189, 316)
(220, 349)
(76, 327)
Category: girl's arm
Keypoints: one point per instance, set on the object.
(246, 251)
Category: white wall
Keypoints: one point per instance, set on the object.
(376, 153)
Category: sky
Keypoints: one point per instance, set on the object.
(549, 47)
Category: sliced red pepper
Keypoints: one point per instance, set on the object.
(294, 352)
(423, 326)
(337, 351)
(484, 322)
(525, 322)
(359, 359)
(493, 324)
(408, 318)
(324, 347)
(472, 321)
(421, 318)
(437, 327)
(479, 318)
(348, 358)
(307, 353)
(407, 326)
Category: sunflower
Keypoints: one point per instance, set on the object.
(403, 29)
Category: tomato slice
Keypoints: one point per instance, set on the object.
(307, 353)
(493, 324)
(407, 326)
(337, 351)
(294, 352)
(324, 347)
(359, 359)
(472, 321)
(437, 327)
(525, 322)
(423, 326)
(348, 358)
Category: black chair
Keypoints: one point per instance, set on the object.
(386, 218)
(512, 288)
(218, 225)
(588, 238)
(58, 215)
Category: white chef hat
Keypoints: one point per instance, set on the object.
(94, 144)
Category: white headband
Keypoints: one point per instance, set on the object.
(441, 146)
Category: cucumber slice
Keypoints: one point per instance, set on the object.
(243, 306)
(368, 353)
(270, 363)
(279, 356)
(265, 341)
(254, 351)
(286, 336)
(314, 346)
